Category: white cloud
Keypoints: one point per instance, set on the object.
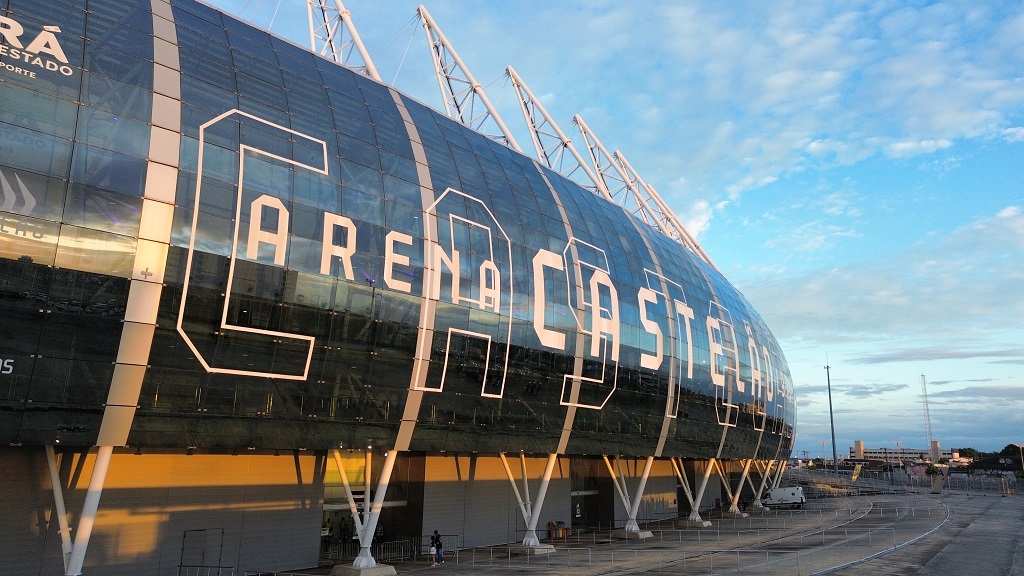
(814, 236)
(698, 217)
(974, 274)
(1015, 134)
(913, 148)
(729, 96)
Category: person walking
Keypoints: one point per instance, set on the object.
(439, 545)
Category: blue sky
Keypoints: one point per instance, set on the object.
(855, 168)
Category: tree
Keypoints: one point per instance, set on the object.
(1010, 450)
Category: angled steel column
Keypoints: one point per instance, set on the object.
(58, 504)
(365, 558)
(526, 484)
(531, 530)
(766, 473)
(724, 480)
(699, 496)
(631, 505)
(734, 500)
(631, 524)
(778, 474)
(620, 483)
(367, 468)
(677, 467)
(92, 503)
(525, 507)
(348, 494)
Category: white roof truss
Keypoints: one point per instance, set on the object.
(464, 97)
(551, 143)
(328, 23)
(666, 220)
(628, 190)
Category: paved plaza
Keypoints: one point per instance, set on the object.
(885, 534)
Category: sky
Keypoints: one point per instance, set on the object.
(856, 169)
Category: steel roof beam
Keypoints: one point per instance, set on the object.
(464, 97)
(549, 140)
(667, 219)
(328, 22)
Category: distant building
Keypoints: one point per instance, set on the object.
(859, 452)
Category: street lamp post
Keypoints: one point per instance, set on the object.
(1021, 448)
(831, 420)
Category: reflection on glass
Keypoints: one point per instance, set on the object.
(95, 251)
(101, 209)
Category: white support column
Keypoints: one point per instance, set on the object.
(765, 475)
(725, 481)
(524, 506)
(767, 471)
(58, 505)
(348, 494)
(365, 558)
(92, 503)
(619, 481)
(778, 474)
(750, 477)
(526, 486)
(677, 467)
(631, 524)
(367, 477)
(699, 496)
(735, 498)
(531, 529)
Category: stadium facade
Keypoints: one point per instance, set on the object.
(244, 287)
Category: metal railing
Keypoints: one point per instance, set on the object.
(338, 551)
(203, 570)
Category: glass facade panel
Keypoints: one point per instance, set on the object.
(113, 171)
(34, 151)
(94, 251)
(32, 110)
(339, 269)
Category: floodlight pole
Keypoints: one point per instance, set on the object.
(831, 421)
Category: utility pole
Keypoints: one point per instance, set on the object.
(831, 420)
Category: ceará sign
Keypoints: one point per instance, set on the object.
(41, 52)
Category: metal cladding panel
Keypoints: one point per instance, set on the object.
(160, 512)
(471, 497)
(347, 266)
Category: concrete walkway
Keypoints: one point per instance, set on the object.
(985, 535)
(882, 535)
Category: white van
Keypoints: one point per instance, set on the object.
(792, 496)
